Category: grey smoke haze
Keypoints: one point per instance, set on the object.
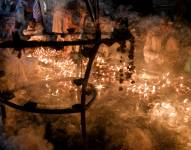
(118, 120)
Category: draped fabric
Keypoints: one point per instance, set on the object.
(37, 14)
(20, 11)
(62, 20)
(58, 20)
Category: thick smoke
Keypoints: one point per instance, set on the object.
(31, 137)
(154, 113)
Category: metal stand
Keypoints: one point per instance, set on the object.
(18, 44)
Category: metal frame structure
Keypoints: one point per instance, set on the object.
(18, 44)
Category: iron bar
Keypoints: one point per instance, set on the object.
(32, 44)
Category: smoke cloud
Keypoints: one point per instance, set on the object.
(154, 113)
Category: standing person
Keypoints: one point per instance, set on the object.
(7, 6)
(29, 10)
(39, 10)
(58, 19)
(29, 30)
(63, 18)
(20, 21)
(153, 47)
(161, 47)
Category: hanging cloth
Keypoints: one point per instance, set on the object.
(37, 14)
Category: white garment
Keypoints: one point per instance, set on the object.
(58, 20)
(172, 45)
(152, 48)
(153, 43)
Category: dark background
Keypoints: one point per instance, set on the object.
(177, 8)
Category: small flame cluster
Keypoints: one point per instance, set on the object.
(59, 66)
(167, 95)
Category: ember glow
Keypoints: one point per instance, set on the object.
(162, 97)
(153, 106)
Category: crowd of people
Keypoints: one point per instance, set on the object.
(32, 16)
(28, 14)
(30, 20)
